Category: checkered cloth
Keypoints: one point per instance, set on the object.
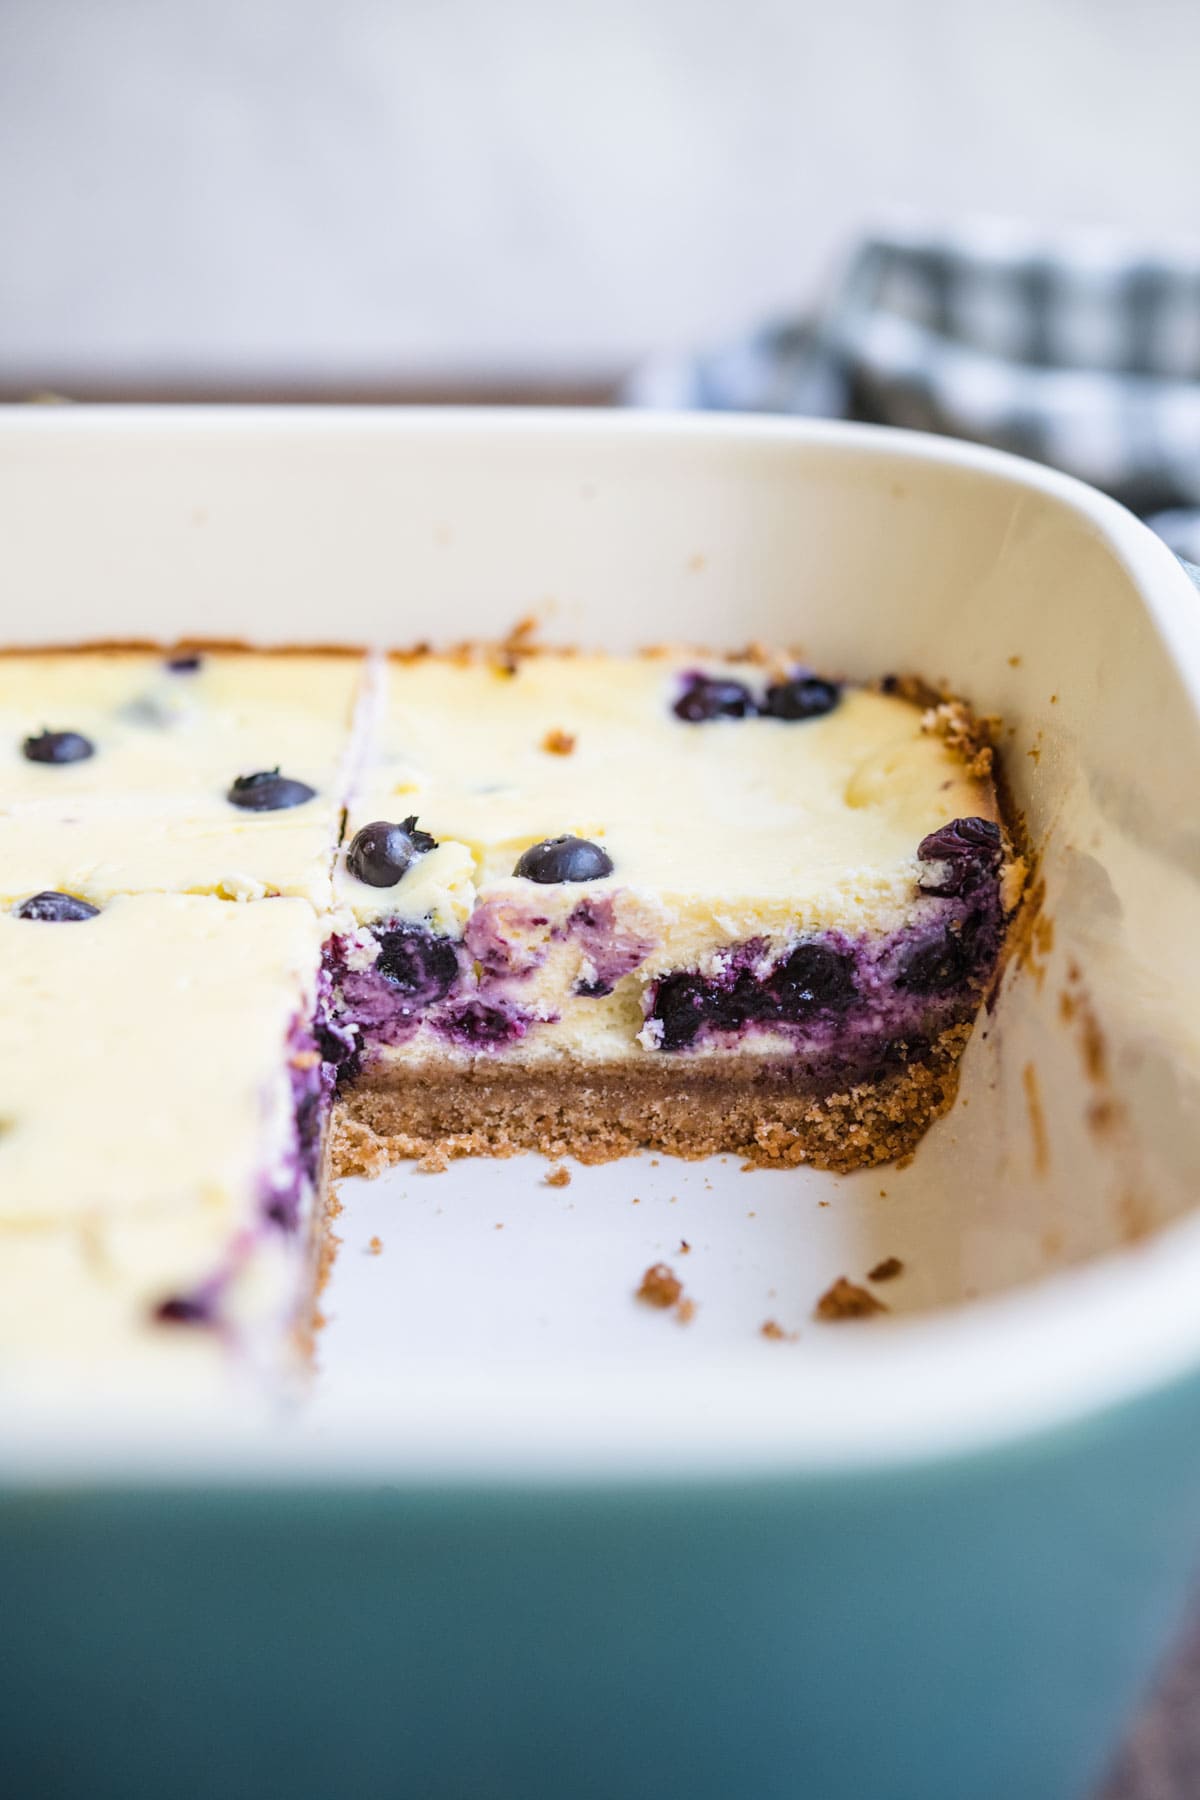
(1084, 355)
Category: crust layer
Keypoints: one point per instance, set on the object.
(752, 1107)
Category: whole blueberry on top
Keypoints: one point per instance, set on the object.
(58, 747)
(564, 859)
(706, 697)
(185, 664)
(380, 853)
(969, 849)
(55, 909)
(804, 697)
(268, 791)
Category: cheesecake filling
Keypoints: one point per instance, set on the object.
(527, 975)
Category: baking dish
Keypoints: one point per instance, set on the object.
(529, 1539)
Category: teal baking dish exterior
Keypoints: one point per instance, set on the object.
(979, 1627)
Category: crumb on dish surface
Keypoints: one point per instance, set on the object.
(845, 1300)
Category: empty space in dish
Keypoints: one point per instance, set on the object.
(1074, 1132)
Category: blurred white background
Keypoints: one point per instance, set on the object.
(391, 190)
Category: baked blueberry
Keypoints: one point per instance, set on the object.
(479, 1025)
(814, 977)
(268, 791)
(937, 963)
(564, 859)
(185, 664)
(380, 853)
(681, 1006)
(181, 1309)
(58, 747)
(706, 697)
(54, 909)
(423, 967)
(804, 697)
(968, 849)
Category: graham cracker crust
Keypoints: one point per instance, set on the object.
(754, 1107)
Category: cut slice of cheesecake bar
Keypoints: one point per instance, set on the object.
(597, 902)
(194, 772)
(162, 1120)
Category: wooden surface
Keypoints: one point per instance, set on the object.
(1161, 1756)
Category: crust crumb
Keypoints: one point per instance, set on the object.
(558, 743)
(685, 1312)
(660, 1287)
(969, 736)
(558, 1176)
(773, 1330)
(887, 1270)
(685, 1249)
(846, 1301)
(506, 655)
(375, 1247)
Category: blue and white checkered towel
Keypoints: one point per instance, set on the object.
(1085, 355)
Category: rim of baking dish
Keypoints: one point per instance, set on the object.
(979, 1376)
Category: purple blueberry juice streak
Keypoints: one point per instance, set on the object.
(417, 979)
(848, 1005)
(202, 1303)
(469, 994)
(610, 951)
(287, 1189)
(499, 941)
(286, 1192)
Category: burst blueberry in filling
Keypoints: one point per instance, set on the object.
(58, 747)
(417, 964)
(268, 791)
(813, 976)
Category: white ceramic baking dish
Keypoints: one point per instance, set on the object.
(972, 1518)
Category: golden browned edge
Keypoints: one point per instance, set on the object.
(749, 1106)
(182, 646)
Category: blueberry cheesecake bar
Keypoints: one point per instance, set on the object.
(266, 917)
(162, 1112)
(590, 903)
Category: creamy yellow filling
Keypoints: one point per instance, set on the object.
(144, 1101)
(148, 812)
(719, 824)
